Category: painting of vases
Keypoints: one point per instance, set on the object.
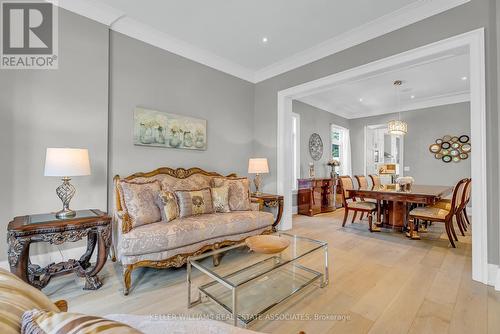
(157, 128)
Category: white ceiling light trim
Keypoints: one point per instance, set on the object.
(400, 18)
(118, 21)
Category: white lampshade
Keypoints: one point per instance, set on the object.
(67, 162)
(258, 166)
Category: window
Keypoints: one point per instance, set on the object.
(340, 149)
(295, 149)
(337, 138)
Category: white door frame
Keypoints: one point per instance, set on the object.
(474, 41)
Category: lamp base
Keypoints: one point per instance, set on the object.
(65, 192)
(258, 182)
(65, 214)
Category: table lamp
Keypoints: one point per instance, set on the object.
(66, 162)
(258, 166)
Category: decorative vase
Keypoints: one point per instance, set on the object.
(159, 137)
(199, 141)
(175, 140)
(147, 136)
(188, 139)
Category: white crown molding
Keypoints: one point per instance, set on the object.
(400, 18)
(434, 101)
(150, 35)
(118, 21)
(91, 9)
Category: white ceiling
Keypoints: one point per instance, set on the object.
(233, 29)
(432, 82)
(227, 34)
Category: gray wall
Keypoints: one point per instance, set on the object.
(472, 15)
(424, 126)
(313, 120)
(146, 76)
(54, 108)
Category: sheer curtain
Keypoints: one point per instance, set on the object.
(346, 148)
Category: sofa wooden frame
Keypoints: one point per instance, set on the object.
(176, 260)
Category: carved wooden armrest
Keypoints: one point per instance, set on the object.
(62, 305)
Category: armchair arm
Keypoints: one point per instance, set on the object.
(122, 222)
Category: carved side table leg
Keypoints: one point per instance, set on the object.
(18, 254)
(279, 205)
(103, 242)
(91, 242)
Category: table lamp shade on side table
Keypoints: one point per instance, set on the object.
(258, 166)
(65, 163)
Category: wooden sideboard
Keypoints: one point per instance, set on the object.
(316, 196)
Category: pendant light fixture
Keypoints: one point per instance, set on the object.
(397, 127)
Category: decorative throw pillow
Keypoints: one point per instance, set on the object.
(194, 202)
(41, 322)
(168, 206)
(16, 297)
(220, 199)
(140, 201)
(239, 192)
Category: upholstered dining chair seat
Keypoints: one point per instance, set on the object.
(363, 205)
(444, 204)
(430, 212)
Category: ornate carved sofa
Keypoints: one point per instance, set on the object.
(162, 244)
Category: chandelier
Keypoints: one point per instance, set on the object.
(397, 127)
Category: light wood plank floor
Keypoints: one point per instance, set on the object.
(382, 282)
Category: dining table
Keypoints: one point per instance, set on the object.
(396, 199)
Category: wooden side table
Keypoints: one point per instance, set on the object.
(270, 201)
(24, 230)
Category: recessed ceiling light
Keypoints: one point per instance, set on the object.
(464, 78)
(265, 40)
(412, 97)
(361, 99)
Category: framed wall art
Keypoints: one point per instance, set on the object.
(161, 129)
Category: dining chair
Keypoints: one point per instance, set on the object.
(363, 184)
(467, 193)
(461, 213)
(436, 213)
(351, 204)
(375, 180)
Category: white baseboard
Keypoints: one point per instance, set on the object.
(51, 257)
(494, 276)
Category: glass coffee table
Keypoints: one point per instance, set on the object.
(248, 284)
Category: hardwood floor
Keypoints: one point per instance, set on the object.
(382, 282)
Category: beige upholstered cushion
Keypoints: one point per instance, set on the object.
(16, 297)
(181, 232)
(195, 202)
(168, 206)
(38, 322)
(444, 204)
(430, 212)
(362, 205)
(140, 201)
(220, 198)
(239, 192)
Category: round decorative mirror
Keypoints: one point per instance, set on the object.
(315, 146)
